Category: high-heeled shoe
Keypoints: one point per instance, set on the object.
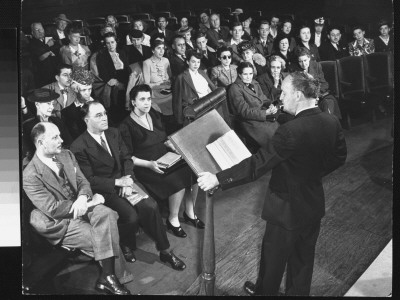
(195, 222)
(177, 231)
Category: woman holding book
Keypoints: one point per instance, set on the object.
(144, 135)
(254, 112)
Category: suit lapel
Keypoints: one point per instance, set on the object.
(112, 143)
(189, 81)
(97, 151)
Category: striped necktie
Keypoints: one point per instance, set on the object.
(60, 166)
(103, 144)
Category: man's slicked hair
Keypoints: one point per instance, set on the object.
(37, 131)
(305, 83)
(86, 107)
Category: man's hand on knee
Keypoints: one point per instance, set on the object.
(80, 206)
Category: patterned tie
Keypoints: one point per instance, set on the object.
(60, 167)
(103, 144)
(63, 91)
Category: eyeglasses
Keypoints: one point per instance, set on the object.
(226, 57)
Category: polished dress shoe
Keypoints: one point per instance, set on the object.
(173, 260)
(128, 254)
(177, 231)
(250, 288)
(195, 222)
(111, 285)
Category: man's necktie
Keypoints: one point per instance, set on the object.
(60, 166)
(63, 91)
(103, 144)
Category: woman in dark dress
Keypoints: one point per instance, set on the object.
(144, 135)
(305, 41)
(282, 49)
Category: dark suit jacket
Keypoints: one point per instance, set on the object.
(236, 57)
(177, 65)
(71, 117)
(380, 46)
(267, 85)
(184, 93)
(106, 67)
(213, 37)
(301, 152)
(41, 186)
(58, 104)
(98, 166)
(133, 55)
(52, 31)
(265, 51)
(210, 61)
(328, 52)
(169, 35)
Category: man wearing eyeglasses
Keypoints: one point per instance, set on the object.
(107, 165)
(333, 49)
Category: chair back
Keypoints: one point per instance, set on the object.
(331, 75)
(142, 16)
(378, 71)
(351, 76)
(122, 18)
(96, 21)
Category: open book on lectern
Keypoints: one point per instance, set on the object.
(209, 131)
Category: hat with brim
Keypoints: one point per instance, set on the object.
(42, 95)
(243, 17)
(62, 17)
(237, 11)
(245, 45)
(183, 31)
(136, 34)
(319, 21)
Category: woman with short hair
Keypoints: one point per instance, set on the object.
(305, 42)
(75, 54)
(282, 49)
(271, 81)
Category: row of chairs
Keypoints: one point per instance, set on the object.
(360, 80)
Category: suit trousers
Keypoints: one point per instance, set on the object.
(96, 234)
(292, 248)
(144, 214)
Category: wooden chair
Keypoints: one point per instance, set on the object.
(96, 21)
(379, 73)
(141, 16)
(122, 18)
(77, 23)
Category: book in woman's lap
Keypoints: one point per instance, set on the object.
(168, 160)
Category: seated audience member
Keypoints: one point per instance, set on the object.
(187, 35)
(67, 213)
(184, 24)
(190, 85)
(305, 36)
(248, 32)
(44, 56)
(139, 25)
(318, 37)
(217, 35)
(247, 51)
(178, 58)
(105, 162)
(287, 26)
(43, 99)
(157, 74)
(72, 117)
(234, 16)
(58, 32)
(62, 86)
(136, 51)
(274, 24)
(99, 43)
(113, 68)
(264, 42)
(225, 73)
(113, 22)
(326, 102)
(237, 33)
(208, 58)
(361, 45)
(75, 54)
(162, 29)
(204, 24)
(333, 49)
(281, 48)
(384, 42)
(251, 108)
(144, 135)
(271, 81)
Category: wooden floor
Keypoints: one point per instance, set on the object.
(357, 226)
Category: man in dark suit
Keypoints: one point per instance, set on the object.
(178, 58)
(136, 52)
(104, 160)
(209, 56)
(59, 32)
(44, 56)
(161, 28)
(333, 49)
(301, 152)
(264, 42)
(62, 87)
(67, 213)
(236, 39)
(217, 35)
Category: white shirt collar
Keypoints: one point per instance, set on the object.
(48, 161)
(233, 42)
(304, 109)
(97, 138)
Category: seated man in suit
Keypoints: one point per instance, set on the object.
(44, 56)
(71, 116)
(333, 49)
(62, 86)
(136, 51)
(237, 33)
(217, 35)
(264, 42)
(326, 102)
(104, 160)
(67, 213)
(162, 29)
(209, 56)
(178, 58)
(58, 32)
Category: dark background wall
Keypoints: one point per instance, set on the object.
(341, 11)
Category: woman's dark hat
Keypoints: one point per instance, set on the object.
(245, 45)
(183, 31)
(62, 17)
(42, 95)
(136, 34)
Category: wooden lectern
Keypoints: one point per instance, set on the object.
(191, 141)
